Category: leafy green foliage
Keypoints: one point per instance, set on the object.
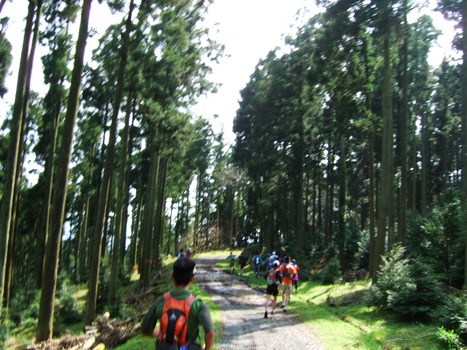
(449, 338)
(330, 273)
(24, 308)
(451, 314)
(438, 237)
(66, 306)
(406, 286)
(5, 56)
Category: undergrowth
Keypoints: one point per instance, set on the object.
(358, 325)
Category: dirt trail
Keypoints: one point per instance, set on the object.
(244, 326)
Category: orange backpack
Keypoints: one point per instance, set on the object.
(174, 320)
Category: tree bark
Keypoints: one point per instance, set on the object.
(46, 309)
(386, 162)
(464, 130)
(123, 160)
(148, 221)
(10, 178)
(160, 208)
(2, 3)
(402, 217)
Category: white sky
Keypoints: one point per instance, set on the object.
(249, 29)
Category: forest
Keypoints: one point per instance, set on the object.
(350, 154)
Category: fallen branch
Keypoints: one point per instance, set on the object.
(409, 340)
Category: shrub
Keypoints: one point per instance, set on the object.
(393, 274)
(407, 287)
(449, 338)
(24, 308)
(330, 273)
(451, 314)
(416, 299)
(66, 307)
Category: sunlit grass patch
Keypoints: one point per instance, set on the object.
(215, 312)
(138, 343)
(350, 323)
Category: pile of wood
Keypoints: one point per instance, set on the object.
(104, 333)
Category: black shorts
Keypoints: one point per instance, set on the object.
(272, 289)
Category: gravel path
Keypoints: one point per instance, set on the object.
(244, 326)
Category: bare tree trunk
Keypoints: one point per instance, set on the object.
(49, 280)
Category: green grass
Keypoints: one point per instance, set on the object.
(354, 326)
(358, 325)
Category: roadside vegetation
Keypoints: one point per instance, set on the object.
(343, 314)
(133, 303)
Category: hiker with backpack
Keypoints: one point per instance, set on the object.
(179, 314)
(268, 262)
(257, 264)
(232, 258)
(274, 278)
(242, 261)
(295, 277)
(288, 271)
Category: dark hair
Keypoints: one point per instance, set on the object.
(286, 259)
(183, 271)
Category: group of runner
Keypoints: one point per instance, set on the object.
(281, 275)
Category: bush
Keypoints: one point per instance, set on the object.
(66, 307)
(452, 314)
(24, 308)
(416, 300)
(449, 338)
(406, 287)
(330, 273)
(438, 236)
(393, 274)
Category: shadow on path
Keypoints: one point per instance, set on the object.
(244, 325)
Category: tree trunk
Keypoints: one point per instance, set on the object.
(160, 208)
(341, 239)
(386, 162)
(464, 130)
(328, 238)
(2, 3)
(371, 203)
(402, 217)
(123, 160)
(10, 177)
(148, 220)
(424, 154)
(46, 310)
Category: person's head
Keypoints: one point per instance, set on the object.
(294, 261)
(181, 250)
(286, 259)
(183, 271)
(276, 264)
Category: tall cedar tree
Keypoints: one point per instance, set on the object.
(49, 280)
